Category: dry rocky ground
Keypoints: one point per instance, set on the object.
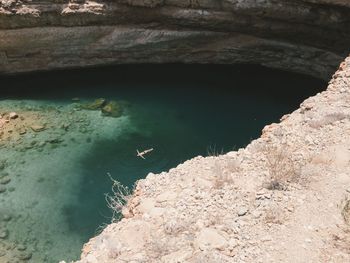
(284, 198)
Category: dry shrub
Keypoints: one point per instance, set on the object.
(213, 151)
(160, 246)
(222, 177)
(232, 166)
(120, 197)
(342, 241)
(328, 119)
(274, 215)
(173, 227)
(281, 167)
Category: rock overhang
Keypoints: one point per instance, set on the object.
(310, 37)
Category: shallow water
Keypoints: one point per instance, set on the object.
(56, 194)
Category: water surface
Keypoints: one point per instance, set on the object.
(57, 202)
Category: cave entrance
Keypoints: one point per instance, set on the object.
(66, 139)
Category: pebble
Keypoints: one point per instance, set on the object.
(242, 211)
(22, 131)
(37, 128)
(290, 208)
(256, 214)
(266, 238)
(308, 240)
(21, 247)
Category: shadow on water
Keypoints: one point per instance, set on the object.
(179, 110)
(284, 87)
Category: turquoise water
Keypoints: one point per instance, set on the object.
(180, 111)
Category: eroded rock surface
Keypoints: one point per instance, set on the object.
(309, 36)
(284, 198)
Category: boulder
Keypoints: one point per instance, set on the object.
(13, 115)
(112, 109)
(95, 105)
(210, 238)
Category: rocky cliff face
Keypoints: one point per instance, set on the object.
(308, 36)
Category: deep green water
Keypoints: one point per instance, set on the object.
(179, 110)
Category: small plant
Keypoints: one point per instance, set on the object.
(274, 215)
(120, 197)
(160, 247)
(281, 167)
(212, 151)
(221, 176)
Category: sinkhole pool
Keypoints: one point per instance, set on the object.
(56, 151)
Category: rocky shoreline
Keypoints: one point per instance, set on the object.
(284, 198)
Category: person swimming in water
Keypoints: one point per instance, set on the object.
(141, 154)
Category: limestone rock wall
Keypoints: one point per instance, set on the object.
(309, 36)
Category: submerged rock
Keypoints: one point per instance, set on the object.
(25, 255)
(37, 128)
(21, 247)
(6, 218)
(5, 180)
(113, 109)
(2, 189)
(3, 233)
(95, 105)
(13, 115)
(22, 131)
